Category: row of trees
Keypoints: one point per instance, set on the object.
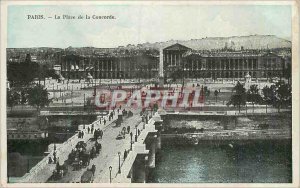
(36, 96)
(278, 95)
(23, 73)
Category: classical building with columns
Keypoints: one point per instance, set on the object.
(199, 64)
(178, 61)
(109, 67)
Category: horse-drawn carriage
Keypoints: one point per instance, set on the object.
(60, 171)
(77, 164)
(79, 157)
(87, 176)
(81, 144)
(79, 160)
(118, 122)
(98, 147)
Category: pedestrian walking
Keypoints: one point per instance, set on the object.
(96, 135)
(82, 134)
(93, 169)
(57, 166)
(54, 159)
(104, 121)
(125, 154)
(50, 160)
(128, 129)
(101, 133)
(88, 130)
(92, 131)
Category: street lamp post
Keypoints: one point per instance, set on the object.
(136, 134)
(130, 140)
(110, 168)
(119, 153)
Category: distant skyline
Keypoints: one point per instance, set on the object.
(135, 24)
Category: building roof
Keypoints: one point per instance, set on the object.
(177, 47)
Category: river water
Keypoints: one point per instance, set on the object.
(252, 162)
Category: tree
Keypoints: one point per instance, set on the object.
(268, 95)
(287, 71)
(253, 95)
(283, 94)
(38, 97)
(13, 98)
(239, 98)
(51, 73)
(278, 95)
(216, 94)
(23, 73)
(23, 97)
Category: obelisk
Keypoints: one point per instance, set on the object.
(161, 68)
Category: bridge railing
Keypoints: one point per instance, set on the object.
(44, 162)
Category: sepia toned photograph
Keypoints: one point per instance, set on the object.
(158, 94)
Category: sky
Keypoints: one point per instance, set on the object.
(134, 24)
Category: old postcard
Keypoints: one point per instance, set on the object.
(160, 94)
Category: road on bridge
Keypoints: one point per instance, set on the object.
(110, 148)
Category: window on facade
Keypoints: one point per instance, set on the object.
(236, 74)
(241, 64)
(254, 64)
(236, 64)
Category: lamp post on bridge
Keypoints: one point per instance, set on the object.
(119, 153)
(130, 140)
(136, 134)
(110, 168)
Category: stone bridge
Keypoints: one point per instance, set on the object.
(133, 168)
